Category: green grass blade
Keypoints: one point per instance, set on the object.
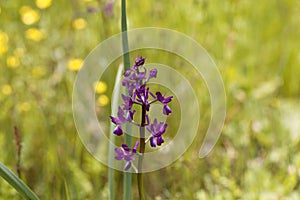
(67, 190)
(126, 60)
(17, 183)
(114, 111)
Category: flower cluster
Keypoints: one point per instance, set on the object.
(135, 80)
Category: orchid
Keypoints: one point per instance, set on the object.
(135, 80)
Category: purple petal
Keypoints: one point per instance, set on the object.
(159, 140)
(127, 102)
(125, 147)
(118, 131)
(119, 157)
(162, 99)
(119, 151)
(152, 95)
(127, 165)
(139, 61)
(167, 110)
(121, 117)
(139, 76)
(127, 72)
(114, 120)
(135, 147)
(159, 96)
(168, 99)
(152, 142)
(152, 73)
(162, 128)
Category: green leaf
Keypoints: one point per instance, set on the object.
(126, 60)
(17, 183)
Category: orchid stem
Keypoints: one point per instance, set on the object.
(142, 150)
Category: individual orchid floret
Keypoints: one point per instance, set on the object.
(156, 130)
(129, 84)
(125, 153)
(139, 61)
(128, 102)
(142, 95)
(121, 120)
(166, 110)
(153, 73)
(162, 99)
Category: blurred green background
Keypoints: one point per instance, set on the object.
(255, 44)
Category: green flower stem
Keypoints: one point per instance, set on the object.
(126, 61)
(141, 157)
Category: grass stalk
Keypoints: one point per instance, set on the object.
(126, 61)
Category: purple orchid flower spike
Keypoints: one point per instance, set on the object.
(135, 80)
(125, 153)
(156, 130)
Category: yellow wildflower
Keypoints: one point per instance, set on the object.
(28, 15)
(3, 42)
(79, 23)
(103, 100)
(6, 89)
(23, 107)
(100, 87)
(38, 72)
(42, 4)
(35, 34)
(12, 61)
(75, 64)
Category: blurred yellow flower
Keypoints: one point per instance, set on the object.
(6, 89)
(75, 64)
(42, 4)
(3, 42)
(35, 34)
(28, 15)
(38, 72)
(231, 73)
(12, 61)
(100, 87)
(79, 23)
(23, 107)
(103, 100)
